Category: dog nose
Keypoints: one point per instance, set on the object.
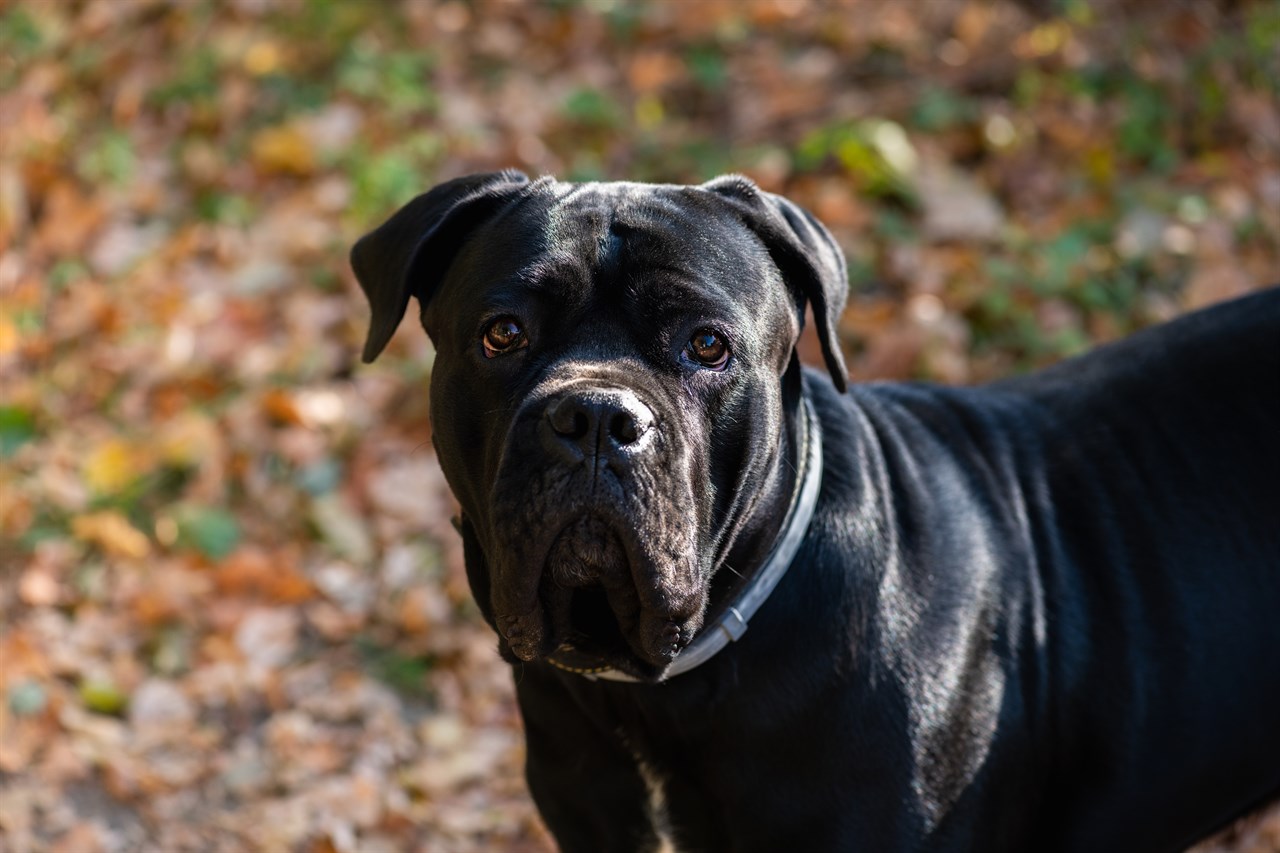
(599, 421)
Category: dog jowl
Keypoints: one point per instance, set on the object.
(1033, 615)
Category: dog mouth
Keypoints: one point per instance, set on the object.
(593, 627)
(594, 546)
(592, 599)
(593, 608)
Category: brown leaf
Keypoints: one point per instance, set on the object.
(652, 70)
(87, 837)
(270, 575)
(280, 407)
(69, 220)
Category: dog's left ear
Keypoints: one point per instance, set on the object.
(805, 252)
(409, 254)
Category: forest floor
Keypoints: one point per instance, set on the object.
(233, 614)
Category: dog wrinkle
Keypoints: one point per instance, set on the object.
(650, 529)
(587, 550)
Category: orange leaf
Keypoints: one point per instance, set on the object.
(252, 572)
(281, 407)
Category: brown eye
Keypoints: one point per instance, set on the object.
(504, 335)
(707, 349)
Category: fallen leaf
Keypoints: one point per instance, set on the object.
(112, 532)
(212, 531)
(102, 695)
(280, 407)
(956, 206)
(283, 150)
(112, 466)
(344, 530)
(158, 703)
(38, 588)
(27, 698)
(268, 637)
(274, 576)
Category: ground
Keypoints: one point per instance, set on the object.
(232, 609)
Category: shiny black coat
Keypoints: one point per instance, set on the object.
(1035, 615)
(1042, 614)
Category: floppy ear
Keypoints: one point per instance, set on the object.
(409, 254)
(804, 251)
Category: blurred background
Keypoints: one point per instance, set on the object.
(232, 609)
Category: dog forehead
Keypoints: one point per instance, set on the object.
(585, 234)
(650, 218)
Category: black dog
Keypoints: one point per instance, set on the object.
(1043, 614)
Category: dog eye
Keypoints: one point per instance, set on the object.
(504, 335)
(707, 349)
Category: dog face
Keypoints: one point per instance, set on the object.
(606, 398)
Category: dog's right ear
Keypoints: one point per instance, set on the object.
(409, 254)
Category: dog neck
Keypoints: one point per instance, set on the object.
(748, 540)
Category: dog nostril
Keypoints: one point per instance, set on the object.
(623, 428)
(569, 420)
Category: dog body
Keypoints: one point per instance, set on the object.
(1038, 614)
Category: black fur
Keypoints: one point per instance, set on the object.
(1040, 614)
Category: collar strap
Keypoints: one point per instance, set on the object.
(732, 623)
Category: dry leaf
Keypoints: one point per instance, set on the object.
(111, 532)
(283, 150)
(38, 588)
(111, 466)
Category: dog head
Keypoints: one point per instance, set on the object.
(607, 396)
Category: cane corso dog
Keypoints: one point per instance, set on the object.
(1041, 614)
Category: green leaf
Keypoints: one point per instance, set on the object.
(211, 531)
(592, 108)
(27, 698)
(103, 696)
(17, 427)
(385, 181)
(707, 66)
(406, 674)
(939, 108)
(320, 477)
(111, 159)
(194, 81)
(18, 31)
